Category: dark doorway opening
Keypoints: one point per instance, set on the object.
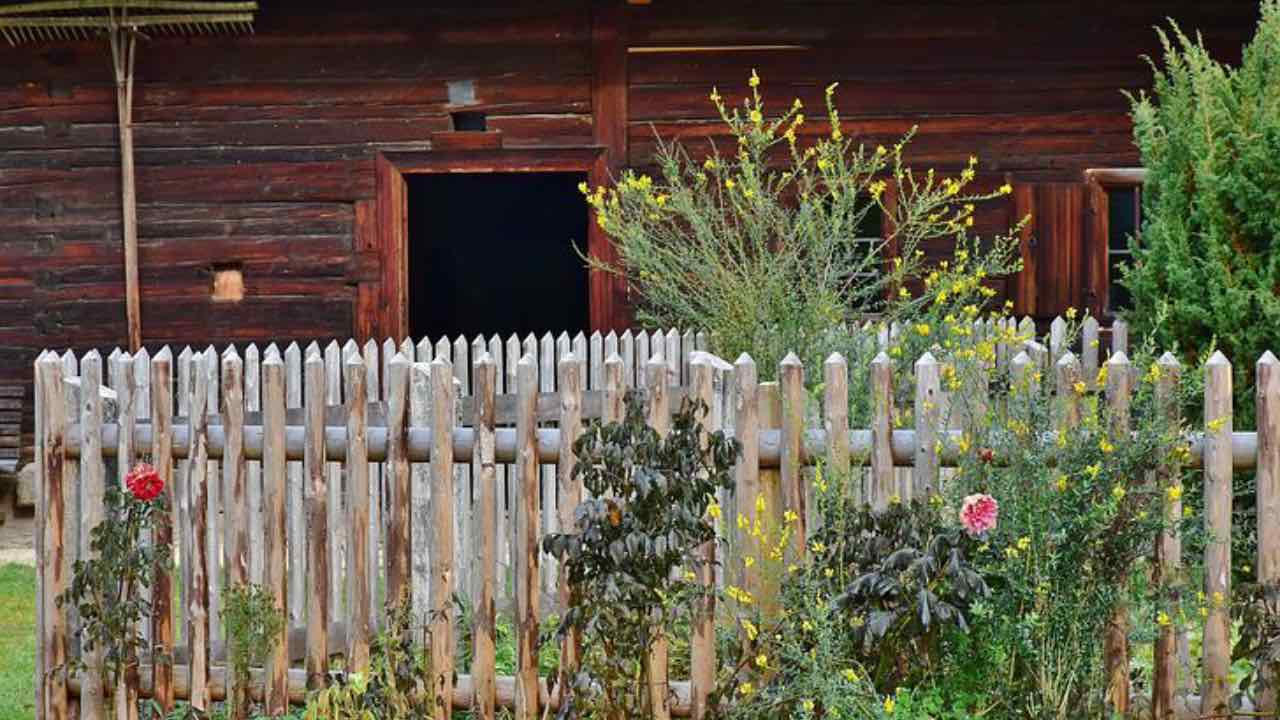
(496, 253)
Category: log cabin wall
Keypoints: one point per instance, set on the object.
(260, 153)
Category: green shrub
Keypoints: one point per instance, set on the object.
(1205, 274)
(253, 623)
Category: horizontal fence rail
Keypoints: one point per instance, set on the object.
(346, 476)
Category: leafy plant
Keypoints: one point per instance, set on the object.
(767, 244)
(253, 622)
(106, 589)
(631, 558)
(394, 687)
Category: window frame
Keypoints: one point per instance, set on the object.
(1101, 181)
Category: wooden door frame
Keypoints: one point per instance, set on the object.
(382, 230)
(1099, 182)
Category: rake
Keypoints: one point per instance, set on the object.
(123, 22)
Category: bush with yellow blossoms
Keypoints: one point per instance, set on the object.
(764, 243)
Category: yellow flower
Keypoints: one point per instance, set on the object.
(1093, 470)
(752, 630)
(756, 117)
(1005, 189)
(1105, 446)
(823, 164)
(1102, 375)
(1162, 619)
(1062, 483)
(836, 134)
(807, 704)
(793, 569)
(755, 79)
(760, 506)
(1079, 387)
(715, 96)
(762, 660)
(790, 516)
(1217, 424)
(1011, 552)
(1071, 313)
(850, 675)
(745, 689)
(689, 576)
(1118, 492)
(714, 511)
(904, 293)
(1174, 492)
(743, 522)
(709, 164)
(888, 705)
(748, 561)
(806, 626)
(880, 150)
(829, 573)
(729, 183)
(1024, 543)
(895, 499)
(923, 329)
(818, 548)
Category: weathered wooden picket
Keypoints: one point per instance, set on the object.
(341, 477)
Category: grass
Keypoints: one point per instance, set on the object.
(17, 641)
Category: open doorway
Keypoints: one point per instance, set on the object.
(496, 253)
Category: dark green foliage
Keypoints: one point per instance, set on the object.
(253, 622)
(105, 589)
(1205, 274)
(632, 549)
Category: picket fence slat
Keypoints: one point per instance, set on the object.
(443, 498)
(659, 418)
(1216, 663)
(1168, 575)
(528, 530)
(484, 632)
(319, 542)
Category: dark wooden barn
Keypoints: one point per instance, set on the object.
(317, 179)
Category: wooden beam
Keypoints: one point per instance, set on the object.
(1116, 177)
(608, 293)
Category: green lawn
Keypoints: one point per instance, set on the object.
(17, 641)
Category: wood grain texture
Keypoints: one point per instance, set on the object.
(882, 479)
(1116, 640)
(358, 531)
(1168, 567)
(702, 651)
(318, 538)
(525, 549)
(484, 638)
(92, 491)
(53, 427)
(161, 391)
(201, 561)
(275, 490)
(443, 414)
(1216, 663)
(399, 547)
(657, 377)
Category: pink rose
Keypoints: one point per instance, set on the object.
(978, 513)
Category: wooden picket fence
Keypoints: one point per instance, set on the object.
(341, 477)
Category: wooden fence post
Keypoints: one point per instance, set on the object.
(1067, 374)
(337, 498)
(200, 559)
(319, 544)
(274, 490)
(928, 419)
(124, 382)
(443, 413)
(570, 488)
(746, 398)
(162, 587)
(420, 532)
(658, 376)
(882, 480)
(835, 409)
(1168, 575)
(53, 464)
(253, 468)
(1116, 644)
(398, 551)
(92, 491)
(703, 649)
(295, 499)
(484, 638)
(791, 388)
(1268, 481)
(359, 629)
(1216, 693)
(1090, 347)
(526, 544)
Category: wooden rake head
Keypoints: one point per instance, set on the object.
(59, 20)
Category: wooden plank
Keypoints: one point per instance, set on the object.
(214, 503)
(200, 558)
(182, 543)
(657, 375)
(253, 404)
(162, 587)
(570, 381)
(1116, 641)
(71, 529)
(527, 536)
(337, 537)
(420, 495)
(92, 492)
(234, 476)
(358, 514)
(835, 412)
(483, 632)
(547, 384)
(882, 480)
(615, 376)
(928, 404)
(399, 548)
(124, 382)
(673, 354)
(643, 353)
(54, 580)
(607, 350)
(1119, 336)
(627, 350)
(463, 565)
(319, 545)
(377, 532)
(443, 496)
(794, 495)
(1268, 488)
(497, 354)
(1067, 400)
(1168, 571)
(702, 651)
(1090, 347)
(1216, 662)
(275, 490)
(746, 399)
(295, 507)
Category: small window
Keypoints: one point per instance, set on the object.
(1124, 221)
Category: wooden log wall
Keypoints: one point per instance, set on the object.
(259, 153)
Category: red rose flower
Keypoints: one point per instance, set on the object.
(986, 455)
(144, 482)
